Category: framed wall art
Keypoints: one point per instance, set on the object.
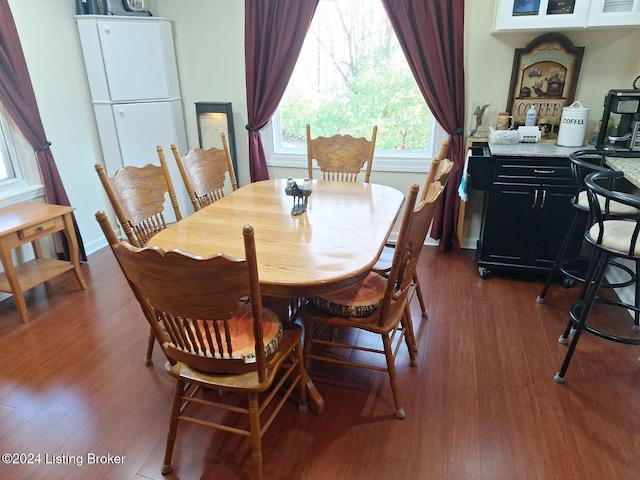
(214, 118)
(545, 75)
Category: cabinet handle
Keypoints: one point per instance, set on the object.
(544, 172)
(535, 199)
(107, 30)
(544, 198)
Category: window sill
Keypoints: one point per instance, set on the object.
(22, 194)
(380, 163)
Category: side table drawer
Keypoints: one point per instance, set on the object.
(44, 228)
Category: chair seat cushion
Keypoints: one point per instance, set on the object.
(617, 236)
(615, 208)
(360, 300)
(241, 333)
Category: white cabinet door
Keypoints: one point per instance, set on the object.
(141, 127)
(134, 59)
(614, 13)
(540, 15)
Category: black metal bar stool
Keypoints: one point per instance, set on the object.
(584, 162)
(611, 236)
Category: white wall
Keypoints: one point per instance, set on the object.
(209, 36)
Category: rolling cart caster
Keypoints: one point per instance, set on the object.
(484, 273)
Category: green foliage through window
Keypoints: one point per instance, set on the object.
(351, 75)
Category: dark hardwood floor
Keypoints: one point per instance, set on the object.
(481, 404)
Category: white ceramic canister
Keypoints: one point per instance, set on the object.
(573, 125)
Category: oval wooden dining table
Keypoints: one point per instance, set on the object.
(332, 245)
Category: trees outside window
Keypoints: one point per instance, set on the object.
(9, 165)
(351, 75)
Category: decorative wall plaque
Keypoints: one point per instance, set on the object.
(544, 74)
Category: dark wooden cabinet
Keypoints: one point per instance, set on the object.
(527, 212)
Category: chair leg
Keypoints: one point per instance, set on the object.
(409, 334)
(416, 283)
(393, 380)
(560, 257)
(173, 425)
(583, 308)
(636, 315)
(152, 339)
(256, 436)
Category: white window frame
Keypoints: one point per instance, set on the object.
(384, 160)
(27, 183)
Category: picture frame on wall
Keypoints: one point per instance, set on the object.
(544, 75)
(215, 118)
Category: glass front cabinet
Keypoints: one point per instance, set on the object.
(522, 15)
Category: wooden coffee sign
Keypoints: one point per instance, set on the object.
(544, 75)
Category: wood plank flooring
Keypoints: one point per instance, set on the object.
(481, 404)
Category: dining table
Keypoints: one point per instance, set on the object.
(330, 246)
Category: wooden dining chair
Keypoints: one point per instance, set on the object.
(205, 172)
(341, 157)
(224, 349)
(378, 304)
(439, 170)
(137, 195)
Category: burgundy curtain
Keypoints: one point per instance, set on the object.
(274, 33)
(16, 94)
(431, 33)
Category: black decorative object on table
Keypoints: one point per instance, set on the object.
(300, 195)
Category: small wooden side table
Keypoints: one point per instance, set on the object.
(26, 223)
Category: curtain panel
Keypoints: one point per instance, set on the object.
(18, 98)
(274, 34)
(431, 33)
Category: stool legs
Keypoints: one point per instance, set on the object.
(636, 316)
(581, 309)
(560, 257)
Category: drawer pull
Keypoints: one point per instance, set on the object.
(40, 228)
(544, 172)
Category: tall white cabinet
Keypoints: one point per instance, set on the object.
(133, 77)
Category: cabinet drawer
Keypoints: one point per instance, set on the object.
(534, 172)
(41, 229)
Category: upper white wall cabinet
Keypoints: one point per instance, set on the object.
(548, 15)
(129, 58)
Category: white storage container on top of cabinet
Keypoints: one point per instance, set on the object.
(133, 78)
(548, 15)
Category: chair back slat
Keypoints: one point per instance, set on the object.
(341, 157)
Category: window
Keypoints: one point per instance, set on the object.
(351, 75)
(19, 175)
(8, 172)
